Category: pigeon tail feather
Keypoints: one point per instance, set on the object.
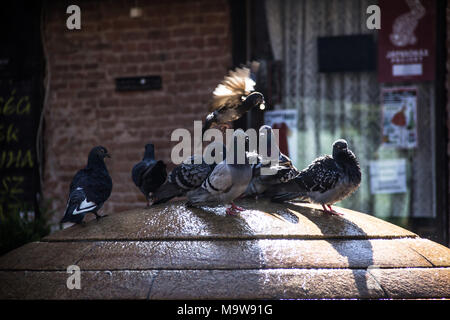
(167, 192)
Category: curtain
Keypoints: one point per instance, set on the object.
(346, 104)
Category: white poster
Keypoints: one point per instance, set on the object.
(399, 117)
(388, 176)
(286, 122)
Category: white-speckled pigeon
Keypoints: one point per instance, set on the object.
(325, 181)
(233, 98)
(228, 180)
(187, 176)
(90, 188)
(282, 171)
(149, 174)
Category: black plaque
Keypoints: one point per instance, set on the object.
(353, 53)
(139, 83)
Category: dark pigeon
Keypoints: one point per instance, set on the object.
(187, 176)
(149, 174)
(325, 181)
(90, 188)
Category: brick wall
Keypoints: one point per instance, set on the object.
(188, 43)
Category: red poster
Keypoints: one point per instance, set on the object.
(406, 40)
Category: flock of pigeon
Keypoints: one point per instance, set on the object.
(326, 180)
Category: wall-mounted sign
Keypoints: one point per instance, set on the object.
(388, 176)
(406, 40)
(19, 115)
(286, 122)
(399, 108)
(139, 83)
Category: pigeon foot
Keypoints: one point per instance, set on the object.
(331, 211)
(98, 217)
(231, 212)
(235, 207)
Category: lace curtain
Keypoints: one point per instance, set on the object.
(346, 104)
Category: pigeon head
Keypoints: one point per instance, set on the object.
(347, 159)
(222, 150)
(149, 151)
(252, 100)
(97, 155)
(339, 145)
(236, 153)
(266, 135)
(100, 152)
(341, 153)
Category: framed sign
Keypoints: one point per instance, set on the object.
(286, 122)
(388, 176)
(399, 121)
(406, 40)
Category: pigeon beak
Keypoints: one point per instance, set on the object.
(107, 155)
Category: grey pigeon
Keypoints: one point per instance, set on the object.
(227, 181)
(325, 181)
(90, 188)
(149, 174)
(282, 171)
(187, 176)
(233, 98)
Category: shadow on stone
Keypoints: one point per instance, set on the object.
(341, 224)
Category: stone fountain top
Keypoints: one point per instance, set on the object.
(269, 251)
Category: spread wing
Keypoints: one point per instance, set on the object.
(236, 85)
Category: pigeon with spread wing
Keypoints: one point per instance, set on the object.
(233, 98)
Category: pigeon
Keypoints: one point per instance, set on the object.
(148, 175)
(90, 188)
(326, 180)
(227, 181)
(233, 98)
(187, 176)
(282, 171)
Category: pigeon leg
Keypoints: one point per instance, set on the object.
(97, 216)
(334, 211)
(331, 211)
(224, 126)
(235, 207)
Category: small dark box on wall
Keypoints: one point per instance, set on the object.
(139, 83)
(351, 53)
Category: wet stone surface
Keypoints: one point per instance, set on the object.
(269, 251)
